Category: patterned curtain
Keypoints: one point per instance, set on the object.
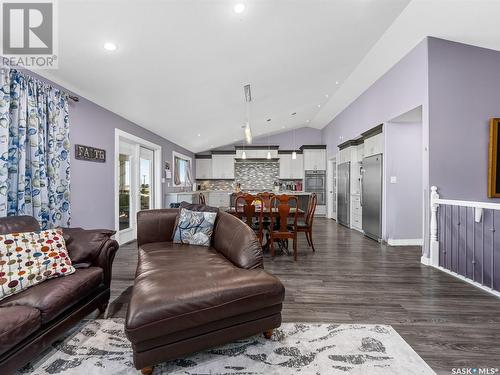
(34, 150)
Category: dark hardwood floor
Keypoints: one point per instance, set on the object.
(351, 279)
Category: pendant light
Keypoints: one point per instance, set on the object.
(243, 155)
(248, 100)
(294, 153)
(268, 149)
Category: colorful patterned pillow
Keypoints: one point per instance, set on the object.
(27, 259)
(194, 227)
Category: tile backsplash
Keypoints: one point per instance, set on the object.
(216, 184)
(256, 175)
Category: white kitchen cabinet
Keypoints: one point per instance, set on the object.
(285, 166)
(260, 153)
(218, 199)
(180, 197)
(292, 169)
(356, 213)
(203, 169)
(223, 166)
(315, 159)
(374, 145)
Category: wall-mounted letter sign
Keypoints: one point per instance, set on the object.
(90, 153)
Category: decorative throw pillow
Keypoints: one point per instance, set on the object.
(195, 224)
(29, 258)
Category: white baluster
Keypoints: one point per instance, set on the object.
(434, 243)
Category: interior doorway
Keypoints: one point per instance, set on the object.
(137, 182)
(332, 189)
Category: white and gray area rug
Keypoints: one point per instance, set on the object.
(100, 347)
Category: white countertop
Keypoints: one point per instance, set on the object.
(288, 192)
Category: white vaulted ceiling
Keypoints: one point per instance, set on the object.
(180, 65)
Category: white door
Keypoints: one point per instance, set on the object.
(127, 199)
(146, 175)
(136, 187)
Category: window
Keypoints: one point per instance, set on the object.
(182, 170)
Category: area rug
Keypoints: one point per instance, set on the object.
(101, 347)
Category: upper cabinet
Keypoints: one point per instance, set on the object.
(292, 169)
(314, 159)
(204, 168)
(223, 166)
(374, 141)
(374, 145)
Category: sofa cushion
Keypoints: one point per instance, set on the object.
(54, 296)
(30, 258)
(17, 323)
(178, 287)
(195, 224)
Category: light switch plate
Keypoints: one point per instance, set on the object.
(394, 180)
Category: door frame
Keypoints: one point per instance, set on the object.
(157, 152)
(332, 163)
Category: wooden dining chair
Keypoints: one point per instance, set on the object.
(281, 212)
(245, 209)
(201, 199)
(265, 199)
(306, 226)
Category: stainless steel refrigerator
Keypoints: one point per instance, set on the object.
(344, 193)
(371, 196)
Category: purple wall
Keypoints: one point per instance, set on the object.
(303, 136)
(401, 89)
(92, 184)
(403, 158)
(464, 93)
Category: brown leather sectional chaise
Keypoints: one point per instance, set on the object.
(187, 298)
(32, 320)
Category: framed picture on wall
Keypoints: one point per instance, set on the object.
(494, 159)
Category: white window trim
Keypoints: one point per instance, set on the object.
(185, 157)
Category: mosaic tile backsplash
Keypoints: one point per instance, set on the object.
(216, 184)
(256, 175)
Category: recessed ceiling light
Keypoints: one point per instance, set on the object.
(319, 105)
(199, 135)
(283, 127)
(308, 120)
(110, 46)
(337, 82)
(239, 8)
(326, 95)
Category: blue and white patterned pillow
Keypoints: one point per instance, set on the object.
(194, 227)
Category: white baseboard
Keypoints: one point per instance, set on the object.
(425, 260)
(405, 242)
(474, 283)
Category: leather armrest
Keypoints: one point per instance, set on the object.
(91, 247)
(237, 242)
(105, 259)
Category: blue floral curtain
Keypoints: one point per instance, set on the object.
(34, 150)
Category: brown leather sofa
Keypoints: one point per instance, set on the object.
(187, 298)
(32, 320)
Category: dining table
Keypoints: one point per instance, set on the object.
(267, 213)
